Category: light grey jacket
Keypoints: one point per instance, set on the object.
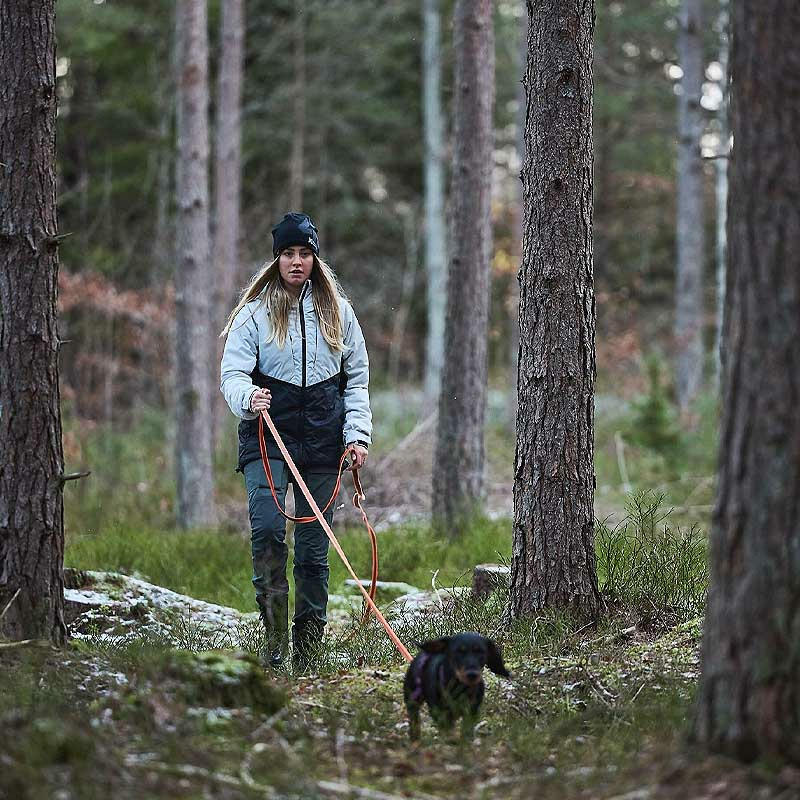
(248, 335)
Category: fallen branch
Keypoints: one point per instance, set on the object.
(191, 771)
(423, 427)
(638, 692)
(324, 708)
(8, 605)
(604, 695)
(244, 771)
(348, 790)
(20, 643)
(637, 794)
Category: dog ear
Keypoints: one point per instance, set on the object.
(494, 660)
(434, 646)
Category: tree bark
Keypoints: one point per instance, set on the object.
(193, 283)
(721, 187)
(458, 478)
(435, 227)
(227, 185)
(297, 160)
(163, 237)
(519, 227)
(553, 559)
(690, 223)
(749, 699)
(31, 455)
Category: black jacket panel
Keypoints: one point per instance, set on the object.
(309, 419)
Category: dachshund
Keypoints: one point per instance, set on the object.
(448, 675)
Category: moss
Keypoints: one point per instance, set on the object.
(221, 678)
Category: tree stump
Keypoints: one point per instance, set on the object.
(488, 578)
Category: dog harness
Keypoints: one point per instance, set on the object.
(419, 666)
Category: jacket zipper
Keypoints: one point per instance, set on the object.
(303, 382)
(303, 335)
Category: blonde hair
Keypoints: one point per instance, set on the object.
(267, 285)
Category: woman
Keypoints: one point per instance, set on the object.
(294, 347)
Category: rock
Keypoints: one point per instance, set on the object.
(110, 605)
(488, 578)
(219, 678)
(386, 590)
(77, 601)
(409, 605)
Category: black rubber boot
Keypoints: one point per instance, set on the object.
(306, 642)
(275, 616)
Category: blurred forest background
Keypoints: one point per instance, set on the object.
(358, 135)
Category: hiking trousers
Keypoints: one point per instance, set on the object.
(268, 540)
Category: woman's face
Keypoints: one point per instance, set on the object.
(295, 266)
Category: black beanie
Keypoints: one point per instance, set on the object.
(294, 229)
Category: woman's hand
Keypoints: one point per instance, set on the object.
(358, 455)
(260, 400)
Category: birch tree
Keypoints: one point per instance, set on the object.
(435, 227)
(690, 232)
(721, 187)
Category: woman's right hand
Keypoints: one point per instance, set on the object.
(260, 400)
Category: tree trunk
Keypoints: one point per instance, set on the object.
(435, 228)
(163, 237)
(227, 185)
(458, 478)
(410, 217)
(296, 162)
(519, 228)
(721, 193)
(553, 559)
(690, 230)
(749, 699)
(31, 455)
(193, 282)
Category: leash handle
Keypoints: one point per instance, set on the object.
(368, 596)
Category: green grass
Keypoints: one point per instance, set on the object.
(215, 565)
(122, 517)
(209, 565)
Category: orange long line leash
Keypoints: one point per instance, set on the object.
(357, 498)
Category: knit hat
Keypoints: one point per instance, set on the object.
(295, 229)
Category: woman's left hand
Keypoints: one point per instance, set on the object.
(358, 455)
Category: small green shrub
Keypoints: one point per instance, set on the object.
(644, 564)
(654, 420)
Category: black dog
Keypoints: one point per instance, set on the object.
(448, 676)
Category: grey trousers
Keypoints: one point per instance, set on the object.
(268, 539)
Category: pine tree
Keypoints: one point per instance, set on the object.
(749, 699)
(31, 456)
(193, 284)
(458, 476)
(553, 560)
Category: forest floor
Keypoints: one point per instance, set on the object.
(588, 713)
(169, 704)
